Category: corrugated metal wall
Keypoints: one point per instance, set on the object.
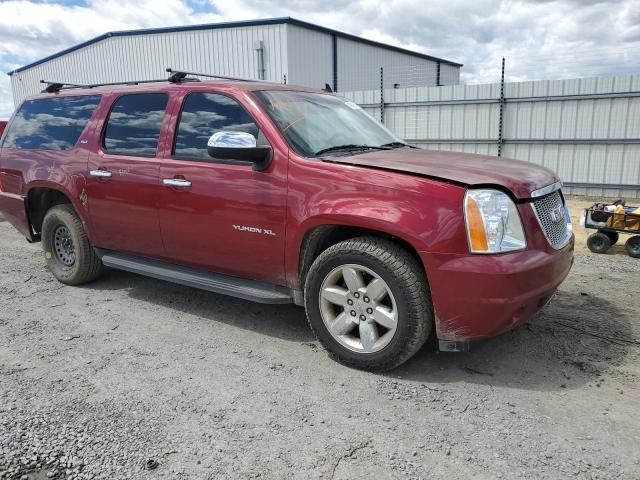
(449, 74)
(310, 55)
(228, 51)
(587, 130)
(359, 67)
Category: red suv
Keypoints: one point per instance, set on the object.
(282, 194)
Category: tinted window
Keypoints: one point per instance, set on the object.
(204, 114)
(134, 124)
(50, 123)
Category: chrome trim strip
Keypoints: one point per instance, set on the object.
(541, 192)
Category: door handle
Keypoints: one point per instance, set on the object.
(100, 174)
(176, 182)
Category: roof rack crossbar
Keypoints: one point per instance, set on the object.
(184, 73)
(53, 87)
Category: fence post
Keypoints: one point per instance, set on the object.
(501, 119)
(381, 95)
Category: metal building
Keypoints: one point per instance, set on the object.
(278, 50)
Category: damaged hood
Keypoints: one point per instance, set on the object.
(521, 178)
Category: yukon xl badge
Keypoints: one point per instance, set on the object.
(244, 228)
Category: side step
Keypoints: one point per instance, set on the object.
(202, 279)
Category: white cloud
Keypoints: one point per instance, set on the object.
(539, 38)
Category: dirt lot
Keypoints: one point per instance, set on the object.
(96, 381)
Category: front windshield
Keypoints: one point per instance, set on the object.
(313, 123)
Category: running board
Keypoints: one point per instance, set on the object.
(202, 279)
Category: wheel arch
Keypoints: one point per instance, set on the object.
(41, 198)
(320, 237)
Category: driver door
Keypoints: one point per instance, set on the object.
(217, 214)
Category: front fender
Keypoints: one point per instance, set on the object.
(424, 213)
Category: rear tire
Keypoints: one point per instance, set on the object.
(598, 242)
(633, 246)
(386, 329)
(69, 255)
(613, 236)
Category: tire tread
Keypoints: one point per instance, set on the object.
(89, 265)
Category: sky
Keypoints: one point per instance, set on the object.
(540, 39)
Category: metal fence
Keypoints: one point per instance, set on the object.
(587, 130)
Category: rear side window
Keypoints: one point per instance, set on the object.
(50, 123)
(134, 124)
(204, 114)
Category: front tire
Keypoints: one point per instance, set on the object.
(368, 303)
(69, 255)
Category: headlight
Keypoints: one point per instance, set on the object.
(493, 222)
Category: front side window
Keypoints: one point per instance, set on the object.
(315, 122)
(134, 124)
(204, 114)
(50, 123)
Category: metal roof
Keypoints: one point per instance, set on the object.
(249, 23)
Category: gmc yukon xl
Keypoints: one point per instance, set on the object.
(283, 194)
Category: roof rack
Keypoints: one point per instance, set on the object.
(176, 76)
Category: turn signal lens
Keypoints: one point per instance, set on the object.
(493, 222)
(475, 227)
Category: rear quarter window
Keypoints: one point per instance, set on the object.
(50, 123)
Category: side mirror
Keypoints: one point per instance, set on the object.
(240, 146)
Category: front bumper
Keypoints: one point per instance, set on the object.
(14, 209)
(480, 296)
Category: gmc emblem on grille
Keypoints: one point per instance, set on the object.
(557, 214)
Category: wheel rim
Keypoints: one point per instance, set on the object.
(634, 246)
(358, 308)
(597, 243)
(63, 246)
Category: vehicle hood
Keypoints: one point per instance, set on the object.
(521, 178)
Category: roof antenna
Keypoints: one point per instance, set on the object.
(327, 88)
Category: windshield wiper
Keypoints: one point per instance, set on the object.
(337, 148)
(397, 145)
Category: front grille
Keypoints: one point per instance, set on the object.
(555, 228)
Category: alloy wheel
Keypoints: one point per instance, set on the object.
(358, 308)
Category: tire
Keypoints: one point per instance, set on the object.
(598, 242)
(400, 292)
(68, 253)
(633, 246)
(613, 236)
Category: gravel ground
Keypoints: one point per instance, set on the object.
(135, 378)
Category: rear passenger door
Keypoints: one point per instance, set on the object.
(227, 217)
(123, 178)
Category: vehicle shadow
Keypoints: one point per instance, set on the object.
(565, 346)
(572, 342)
(286, 322)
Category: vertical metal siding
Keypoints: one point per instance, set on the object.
(449, 74)
(359, 67)
(310, 55)
(229, 51)
(551, 132)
